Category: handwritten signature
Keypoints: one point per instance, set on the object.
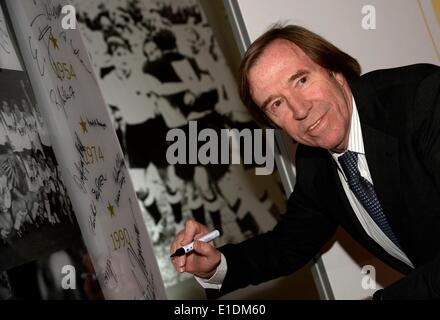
(80, 177)
(118, 198)
(138, 262)
(41, 61)
(45, 34)
(99, 183)
(118, 174)
(61, 95)
(77, 54)
(51, 12)
(109, 274)
(92, 217)
(96, 123)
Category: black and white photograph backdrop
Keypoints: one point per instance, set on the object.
(159, 66)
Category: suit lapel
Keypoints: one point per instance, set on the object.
(381, 151)
(382, 154)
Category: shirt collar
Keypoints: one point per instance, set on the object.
(355, 141)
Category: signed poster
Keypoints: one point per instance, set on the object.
(143, 53)
(36, 216)
(85, 145)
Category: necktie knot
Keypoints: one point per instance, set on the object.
(349, 164)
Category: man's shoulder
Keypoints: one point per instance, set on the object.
(393, 92)
(397, 100)
(311, 152)
(311, 158)
(399, 76)
(314, 168)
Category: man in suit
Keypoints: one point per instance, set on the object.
(368, 160)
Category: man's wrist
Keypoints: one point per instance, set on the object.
(209, 275)
(216, 281)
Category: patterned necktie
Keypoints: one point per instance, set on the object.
(364, 192)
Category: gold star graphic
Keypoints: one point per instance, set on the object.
(111, 210)
(83, 125)
(54, 41)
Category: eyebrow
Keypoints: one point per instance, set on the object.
(291, 79)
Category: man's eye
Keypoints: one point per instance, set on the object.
(275, 105)
(302, 80)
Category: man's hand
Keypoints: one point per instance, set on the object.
(203, 260)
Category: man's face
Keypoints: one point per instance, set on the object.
(152, 52)
(302, 98)
(16, 108)
(120, 58)
(24, 105)
(5, 106)
(105, 22)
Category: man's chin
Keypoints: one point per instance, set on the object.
(327, 145)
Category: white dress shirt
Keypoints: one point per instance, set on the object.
(355, 144)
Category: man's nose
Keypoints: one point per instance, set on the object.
(300, 108)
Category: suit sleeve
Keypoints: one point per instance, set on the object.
(424, 281)
(297, 237)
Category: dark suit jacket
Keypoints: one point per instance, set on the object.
(399, 110)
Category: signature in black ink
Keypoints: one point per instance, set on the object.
(92, 217)
(77, 54)
(118, 174)
(50, 12)
(96, 123)
(80, 177)
(61, 95)
(109, 273)
(138, 243)
(118, 198)
(136, 230)
(41, 61)
(122, 181)
(137, 261)
(99, 183)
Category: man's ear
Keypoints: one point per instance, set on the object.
(339, 78)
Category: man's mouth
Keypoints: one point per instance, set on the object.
(315, 125)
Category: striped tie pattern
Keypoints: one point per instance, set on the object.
(364, 192)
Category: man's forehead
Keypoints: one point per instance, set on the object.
(280, 58)
(284, 48)
(283, 56)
